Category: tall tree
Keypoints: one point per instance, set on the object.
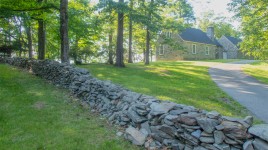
(41, 35)
(130, 53)
(221, 25)
(64, 31)
(120, 34)
(253, 15)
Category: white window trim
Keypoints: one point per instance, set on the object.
(162, 47)
(193, 45)
(168, 34)
(207, 50)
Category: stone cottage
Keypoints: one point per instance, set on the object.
(230, 47)
(191, 44)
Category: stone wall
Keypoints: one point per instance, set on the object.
(150, 122)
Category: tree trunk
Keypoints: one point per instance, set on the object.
(28, 30)
(64, 31)
(148, 38)
(110, 48)
(147, 51)
(119, 44)
(41, 37)
(130, 57)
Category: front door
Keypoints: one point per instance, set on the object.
(224, 55)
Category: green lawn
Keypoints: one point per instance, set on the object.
(36, 115)
(181, 82)
(259, 70)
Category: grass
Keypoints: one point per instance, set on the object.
(36, 115)
(181, 82)
(259, 70)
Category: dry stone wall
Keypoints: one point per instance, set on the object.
(150, 122)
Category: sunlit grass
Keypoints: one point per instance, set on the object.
(181, 82)
(259, 70)
(36, 115)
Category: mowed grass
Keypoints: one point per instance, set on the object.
(259, 70)
(36, 115)
(181, 82)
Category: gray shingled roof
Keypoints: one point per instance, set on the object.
(234, 40)
(196, 35)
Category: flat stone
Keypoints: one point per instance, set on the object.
(209, 146)
(207, 139)
(248, 145)
(178, 111)
(213, 115)
(199, 148)
(219, 137)
(222, 146)
(219, 127)
(235, 129)
(169, 130)
(161, 108)
(207, 124)
(173, 118)
(135, 117)
(190, 139)
(189, 119)
(146, 126)
(260, 131)
(135, 136)
(260, 144)
(196, 133)
(206, 134)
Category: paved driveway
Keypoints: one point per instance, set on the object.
(243, 88)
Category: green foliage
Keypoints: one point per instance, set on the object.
(181, 82)
(253, 15)
(36, 115)
(221, 26)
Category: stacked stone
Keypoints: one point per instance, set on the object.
(150, 122)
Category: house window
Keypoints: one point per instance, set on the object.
(193, 49)
(207, 50)
(161, 50)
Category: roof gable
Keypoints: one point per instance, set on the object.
(196, 35)
(234, 40)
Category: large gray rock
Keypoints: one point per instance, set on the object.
(222, 146)
(189, 119)
(260, 144)
(260, 131)
(161, 108)
(135, 117)
(248, 145)
(135, 136)
(219, 137)
(207, 139)
(235, 129)
(207, 124)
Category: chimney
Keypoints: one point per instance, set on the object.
(210, 33)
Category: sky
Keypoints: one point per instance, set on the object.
(218, 6)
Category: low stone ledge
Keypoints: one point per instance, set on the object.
(148, 121)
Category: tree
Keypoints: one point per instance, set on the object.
(120, 33)
(253, 15)
(64, 31)
(220, 24)
(130, 57)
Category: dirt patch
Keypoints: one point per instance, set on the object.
(39, 105)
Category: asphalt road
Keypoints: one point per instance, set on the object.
(245, 89)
